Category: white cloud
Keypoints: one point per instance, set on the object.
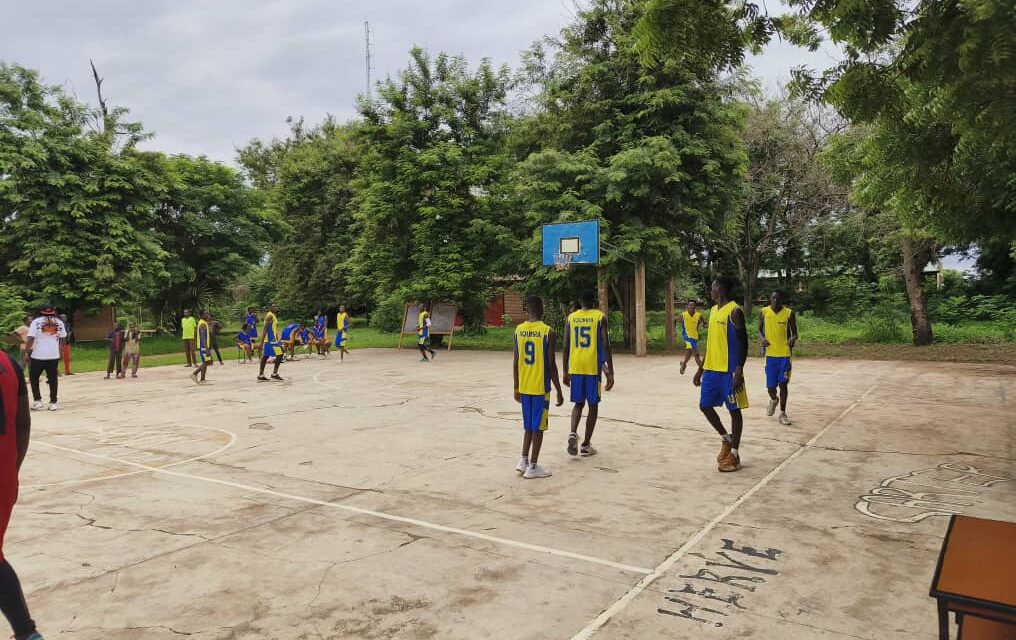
(208, 76)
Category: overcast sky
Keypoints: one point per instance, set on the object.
(208, 75)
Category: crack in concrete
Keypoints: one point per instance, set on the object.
(90, 522)
(145, 628)
(915, 453)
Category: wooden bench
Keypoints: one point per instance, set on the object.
(972, 628)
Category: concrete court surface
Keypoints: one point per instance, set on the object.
(377, 498)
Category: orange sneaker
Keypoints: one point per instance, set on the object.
(731, 463)
(724, 451)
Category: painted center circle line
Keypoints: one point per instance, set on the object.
(145, 444)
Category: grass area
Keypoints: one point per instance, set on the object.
(966, 342)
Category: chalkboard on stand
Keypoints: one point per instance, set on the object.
(442, 320)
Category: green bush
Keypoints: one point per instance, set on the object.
(388, 313)
(12, 308)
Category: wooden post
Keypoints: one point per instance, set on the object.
(671, 326)
(641, 343)
(601, 283)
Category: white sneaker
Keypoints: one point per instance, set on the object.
(772, 407)
(52, 406)
(522, 465)
(587, 450)
(536, 471)
(785, 419)
(38, 406)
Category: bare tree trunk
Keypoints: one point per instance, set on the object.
(916, 254)
(749, 278)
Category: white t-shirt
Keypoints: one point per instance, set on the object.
(47, 331)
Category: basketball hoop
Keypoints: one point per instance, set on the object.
(563, 261)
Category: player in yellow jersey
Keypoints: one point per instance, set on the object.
(722, 375)
(270, 344)
(691, 321)
(423, 333)
(342, 331)
(777, 327)
(534, 370)
(586, 356)
(204, 336)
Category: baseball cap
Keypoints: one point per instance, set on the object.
(47, 310)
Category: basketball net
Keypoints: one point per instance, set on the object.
(563, 261)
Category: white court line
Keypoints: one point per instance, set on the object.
(622, 603)
(233, 441)
(358, 510)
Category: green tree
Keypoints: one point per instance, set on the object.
(75, 201)
(787, 191)
(431, 218)
(654, 153)
(213, 228)
(311, 191)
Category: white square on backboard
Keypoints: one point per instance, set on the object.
(570, 246)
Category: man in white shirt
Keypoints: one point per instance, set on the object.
(44, 336)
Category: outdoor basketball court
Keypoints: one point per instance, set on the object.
(377, 498)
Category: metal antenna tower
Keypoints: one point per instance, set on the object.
(366, 35)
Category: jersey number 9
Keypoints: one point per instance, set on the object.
(530, 350)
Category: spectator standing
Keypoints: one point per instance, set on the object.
(189, 331)
(214, 327)
(65, 345)
(132, 349)
(115, 339)
(22, 335)
(44, 342)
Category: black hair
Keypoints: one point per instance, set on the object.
(588, 298)
(535, 305)
(781, 293)
(728, 284)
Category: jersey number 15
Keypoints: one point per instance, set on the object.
(583, 337)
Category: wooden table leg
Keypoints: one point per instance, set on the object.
(943, 621)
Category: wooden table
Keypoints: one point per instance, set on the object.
(976, 574)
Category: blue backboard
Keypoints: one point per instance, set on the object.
(575, 242)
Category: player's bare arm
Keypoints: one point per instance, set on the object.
(23, 425)
(737, 318)
(762, 328)
(554, 378)
(515, 373)
(792, 330)
(609, 354)
(567, 351)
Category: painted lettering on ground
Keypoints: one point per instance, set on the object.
(717, 588)
(944, 490)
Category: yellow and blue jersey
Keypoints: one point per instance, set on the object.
(532, 347)
(273, 346)
(204, 336)
(776, 329)
(288, 333)
(252, 321)
(723, 350)
(587, 344)
(342, 322)
(690, 325)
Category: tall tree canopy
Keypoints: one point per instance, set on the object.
(75, 202)
(431, 213)
(654, 153)
(87, 219)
